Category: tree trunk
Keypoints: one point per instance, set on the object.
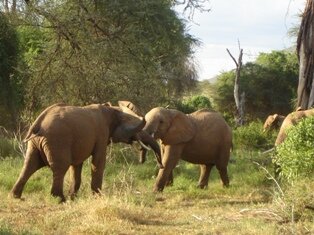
(305, 47)
(239, 101)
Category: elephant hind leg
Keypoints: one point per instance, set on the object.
(76, 179)
(59, 164)
(223, 172)
(204, 175)
(32, 163)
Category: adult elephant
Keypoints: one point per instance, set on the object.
(202, 137)
(273, 122)
(63, 136)
(291, 120)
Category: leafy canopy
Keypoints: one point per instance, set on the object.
(269, 84)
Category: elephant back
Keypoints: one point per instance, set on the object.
(34, 129)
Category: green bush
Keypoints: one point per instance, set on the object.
(193, 104)
(7, 147)
(295, 155)
(251, 137)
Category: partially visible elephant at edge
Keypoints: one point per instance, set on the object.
(202, 137)
(62, 137)
(273, 122)
(291, 120)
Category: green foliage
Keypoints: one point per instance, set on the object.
(8, 76)
(251, 137)
(295, 155)
(193, 104)
(108, 51)
(269, 84)
(7, 147)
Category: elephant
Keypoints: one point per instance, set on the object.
(202, 137)
(63, 137)
(273, 122)
(142, 137)
(291, 120)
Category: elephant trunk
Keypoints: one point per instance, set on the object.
(151, 142)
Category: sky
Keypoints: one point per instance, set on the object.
(259, 26)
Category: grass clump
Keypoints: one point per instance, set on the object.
(251, 137)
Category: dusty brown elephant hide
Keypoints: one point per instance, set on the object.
(202, 137)
(62, 137)
(273, 122)
(291, 120)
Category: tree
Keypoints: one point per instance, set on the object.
(269, 83)
(8, 76)
(110, 50)
(239, 99)
(306, 58)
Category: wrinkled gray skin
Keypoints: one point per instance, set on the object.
(202, 137)
(63, 137)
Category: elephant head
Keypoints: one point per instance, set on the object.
(273, 122)
(129, 124)
(140, 136)
(169, 125)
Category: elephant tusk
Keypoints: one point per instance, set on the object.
(268, 151)
(143, 145)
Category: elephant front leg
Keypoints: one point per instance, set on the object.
(76, 180)
(204, 175)
(170, 158)
(98, 167)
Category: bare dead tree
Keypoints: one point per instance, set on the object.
(305, 47)
(239, 99)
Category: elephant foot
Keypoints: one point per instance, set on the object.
(15, 194)
(60, 196)
(202, 186)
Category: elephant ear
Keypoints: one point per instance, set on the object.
(181, 130)
(127, 104)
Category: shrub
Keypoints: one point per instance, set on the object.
(295, 155)
(251, 137)
(7, 147)
(193, 104)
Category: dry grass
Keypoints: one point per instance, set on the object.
(128, 205)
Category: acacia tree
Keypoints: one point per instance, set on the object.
(97, 51)
(305, 51)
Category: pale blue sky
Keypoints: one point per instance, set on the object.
(259, 25)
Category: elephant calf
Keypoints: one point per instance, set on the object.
(202, 137)
(62, 137)
(273, 122)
